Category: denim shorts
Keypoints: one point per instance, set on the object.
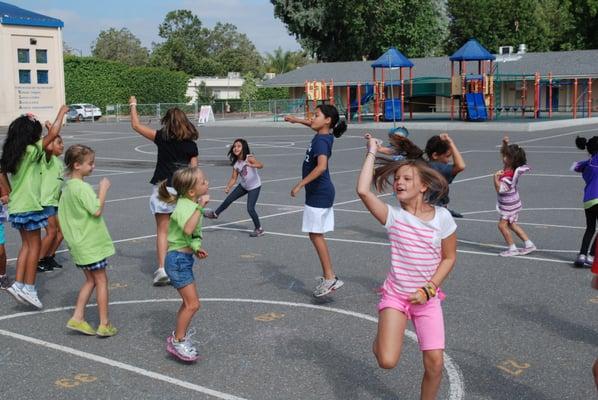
(179, 268)
(50, 211)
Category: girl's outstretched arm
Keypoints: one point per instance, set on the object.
(231, 181)
(295, 120)
(377, 207)
(254, 162)
(54, 129)
(137, 126)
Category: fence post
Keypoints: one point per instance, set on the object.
(117, 111)
(158, 111)
(249, 101)
(575, 98)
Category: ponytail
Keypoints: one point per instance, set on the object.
(591, 145)
(338, 127)
(164, 195)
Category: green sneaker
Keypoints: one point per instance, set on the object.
(80, 326)
(106, 331)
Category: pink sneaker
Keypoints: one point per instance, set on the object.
(527, 250)
(509, 253)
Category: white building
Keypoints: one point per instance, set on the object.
(31, 64)
(228, 88)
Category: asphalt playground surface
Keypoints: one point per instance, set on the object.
(516, 328)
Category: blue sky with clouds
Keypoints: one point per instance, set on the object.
(83, 20)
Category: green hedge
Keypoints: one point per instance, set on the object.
(101, 82)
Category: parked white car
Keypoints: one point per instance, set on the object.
(79, 112)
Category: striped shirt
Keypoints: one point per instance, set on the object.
(415, 248)
(508, 203)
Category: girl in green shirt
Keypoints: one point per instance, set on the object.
(184, 240)
(22, 154)
(80, 215)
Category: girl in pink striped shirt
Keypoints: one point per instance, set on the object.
(423, 251)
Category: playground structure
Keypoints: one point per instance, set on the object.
(481, 96)
(474, 92)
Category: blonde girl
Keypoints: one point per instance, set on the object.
(175, 143)
(423, 252)
(184, 241)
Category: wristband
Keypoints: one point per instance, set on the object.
(431, 289)
(199, 208)
(372, 153)
(424, 293)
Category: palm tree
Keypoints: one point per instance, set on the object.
(282, 61)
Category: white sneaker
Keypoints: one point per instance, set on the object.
(16, 293)
(160, 277)
(325, 286)
(589, 261)
(31, 298)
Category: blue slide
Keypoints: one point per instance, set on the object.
(366, 98)
(476, 107)
(389, 110)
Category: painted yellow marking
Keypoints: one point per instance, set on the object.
(513, 367)
(269, 317)
(250, 255)
(68, 383)
(117, 285)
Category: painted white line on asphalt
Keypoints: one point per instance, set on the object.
(553, 136)
(496, 246)
(331, 239)
(520, 223)
(456, 383)
(121, 365)
(527, 209)
(123, 159)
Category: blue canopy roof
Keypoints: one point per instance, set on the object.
(392, 59)
(472, 51)
(13, 15)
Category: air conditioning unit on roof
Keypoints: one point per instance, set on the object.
(505, 50)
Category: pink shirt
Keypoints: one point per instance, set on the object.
(415, 248)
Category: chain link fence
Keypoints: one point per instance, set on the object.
(223, 109)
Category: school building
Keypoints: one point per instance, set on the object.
(31, 64)
(567, 81)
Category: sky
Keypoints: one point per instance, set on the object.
(84, 20)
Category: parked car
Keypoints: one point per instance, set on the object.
(81, 111)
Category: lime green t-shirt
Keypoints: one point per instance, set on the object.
(176, 236)
(86, 235)
(52, 180)
(26, 182)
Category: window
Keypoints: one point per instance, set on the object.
(23, 55)
(42, 76)
(41, 56)
(24, 76)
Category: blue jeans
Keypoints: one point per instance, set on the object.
(252, 196)
(179, 268)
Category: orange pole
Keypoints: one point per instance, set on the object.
(410, 92)
(575, 98)
(402, 101)
(348, 103)
(491, 90)
(452, 97)
(306, 111)
(331, 92)
(358, 101)
(376, 96)
(589, 97)
(536, 93)
(523, 97)
(550, 94)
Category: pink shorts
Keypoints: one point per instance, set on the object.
(427, 318)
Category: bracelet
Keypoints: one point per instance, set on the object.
(372, 153)
(428, 295)
(430, 289)
(424, 293)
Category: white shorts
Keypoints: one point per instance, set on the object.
(317, 220)
(160, 207)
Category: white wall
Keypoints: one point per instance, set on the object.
(43, 100)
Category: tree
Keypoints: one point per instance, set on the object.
(353, 29)
(204, 94)
(191, 48)
(281, 61)
(540, 24)
(249, 88)
(120, 45)
(583, 31)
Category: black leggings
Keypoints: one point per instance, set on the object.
(252, 196)
(591, 217)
